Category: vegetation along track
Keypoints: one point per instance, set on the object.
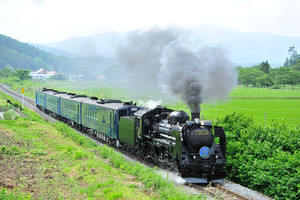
(28, 102)
(215, 191)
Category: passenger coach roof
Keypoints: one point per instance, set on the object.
(53, 93)
(114, 106)
(78, 99)
(105, 103)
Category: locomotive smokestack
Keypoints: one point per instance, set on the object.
(195, 115)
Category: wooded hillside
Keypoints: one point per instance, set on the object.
(24, 56)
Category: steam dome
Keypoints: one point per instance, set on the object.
(178, 117)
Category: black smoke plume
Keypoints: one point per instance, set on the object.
(166, 59)
(196, 76)
(140, 53)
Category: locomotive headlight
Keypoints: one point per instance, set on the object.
(204, 152)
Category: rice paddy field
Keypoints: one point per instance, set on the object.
(264, 104)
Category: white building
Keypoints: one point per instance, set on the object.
(42, 74)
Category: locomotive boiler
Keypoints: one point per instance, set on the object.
(169, 139)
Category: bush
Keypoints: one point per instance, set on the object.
(263, 158)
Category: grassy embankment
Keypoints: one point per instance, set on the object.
(40, 160)
(264, 104)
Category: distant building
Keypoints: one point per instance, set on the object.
(42, 74)
(100, 77)
(75, 77)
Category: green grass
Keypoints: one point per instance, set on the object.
(262, 110)
(40, 160)
(241, 91)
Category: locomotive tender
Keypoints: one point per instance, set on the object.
(160, 135)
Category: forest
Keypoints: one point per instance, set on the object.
(263, 75)
(24, 56)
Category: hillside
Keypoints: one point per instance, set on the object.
(244, 48)
(24, 56)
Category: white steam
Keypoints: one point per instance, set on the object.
(150, 104)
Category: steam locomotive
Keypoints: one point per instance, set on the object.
(160, 135)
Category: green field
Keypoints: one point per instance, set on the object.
(244, 92)
(264, 104)
(262, 110)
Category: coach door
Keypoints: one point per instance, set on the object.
(111, 125)
(78, 113)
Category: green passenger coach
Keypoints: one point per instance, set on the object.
(104, 115)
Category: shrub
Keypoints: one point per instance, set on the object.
(263, 158)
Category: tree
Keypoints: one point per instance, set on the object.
(282, 76)
(7, 71)
(39, 63)
(265, 80)
(265, 67)
(287, 62)
(249, 76)
(294, 57)
(23, 74)
(59, 77)
(294, 76)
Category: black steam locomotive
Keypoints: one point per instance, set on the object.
(160, 135)
(170, 140)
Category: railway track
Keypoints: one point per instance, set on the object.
(213, 191)
(216, 191)
(28, 102)
(17, 96)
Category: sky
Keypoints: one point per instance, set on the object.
(44, 21)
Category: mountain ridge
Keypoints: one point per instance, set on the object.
(245, 48)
